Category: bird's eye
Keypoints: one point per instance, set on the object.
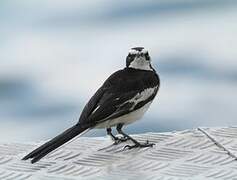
(147, 56)
(129, 59)
(131, 56)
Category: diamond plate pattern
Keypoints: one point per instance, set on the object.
(187, 154)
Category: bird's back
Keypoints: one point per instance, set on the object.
(129, 79)
(116, 90)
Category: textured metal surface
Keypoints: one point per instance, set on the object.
(193, 154)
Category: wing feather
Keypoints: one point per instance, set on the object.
(119, 95)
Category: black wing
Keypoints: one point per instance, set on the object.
(112, 99)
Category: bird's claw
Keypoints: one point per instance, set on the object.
(120, 140)
(139, 145)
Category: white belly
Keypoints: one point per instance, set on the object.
(125, 119)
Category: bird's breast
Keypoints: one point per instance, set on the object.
(125, 119)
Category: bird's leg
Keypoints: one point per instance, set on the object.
(109, 132)
(136, 143)
(114, 138)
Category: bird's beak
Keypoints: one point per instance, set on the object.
(138, 55)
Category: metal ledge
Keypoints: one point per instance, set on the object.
(205, 153)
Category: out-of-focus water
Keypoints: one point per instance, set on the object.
(55, 54)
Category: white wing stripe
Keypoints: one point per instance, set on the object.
(95, 109)
(142, 96)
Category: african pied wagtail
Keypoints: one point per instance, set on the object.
(123, 98)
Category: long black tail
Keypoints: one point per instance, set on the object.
(51, 145)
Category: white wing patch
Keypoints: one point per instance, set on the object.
(142, 96)
(133, 115)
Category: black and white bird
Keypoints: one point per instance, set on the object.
(123, 98)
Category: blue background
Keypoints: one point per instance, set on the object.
(55, 54)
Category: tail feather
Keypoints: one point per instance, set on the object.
(53, 144)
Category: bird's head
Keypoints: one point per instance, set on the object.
(138, 58)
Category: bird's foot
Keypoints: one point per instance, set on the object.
(118, 140)
(139, 145)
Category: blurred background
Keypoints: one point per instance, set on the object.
(54, 54)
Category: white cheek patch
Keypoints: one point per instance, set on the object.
(141, 63)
